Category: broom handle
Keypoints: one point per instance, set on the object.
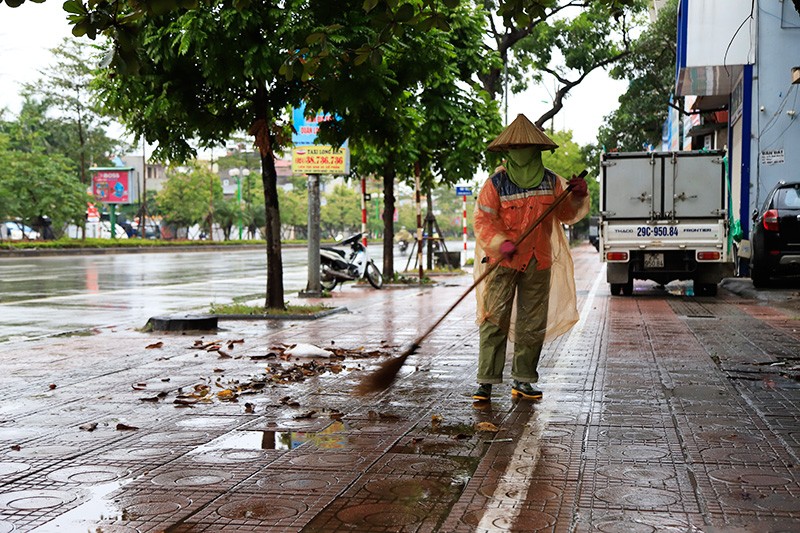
(491, 268)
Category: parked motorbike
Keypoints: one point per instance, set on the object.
(338, 265)
(403, 246)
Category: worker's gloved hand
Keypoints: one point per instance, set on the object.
(508, 249)
(579, 187)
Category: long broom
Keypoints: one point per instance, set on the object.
(383, 377)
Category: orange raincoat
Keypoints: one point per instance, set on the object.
(503, 212)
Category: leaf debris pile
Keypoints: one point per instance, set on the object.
(282, 368)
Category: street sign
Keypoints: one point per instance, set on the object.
(463, 191)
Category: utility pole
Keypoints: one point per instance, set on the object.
(313, 288)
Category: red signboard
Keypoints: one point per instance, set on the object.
(113, 185)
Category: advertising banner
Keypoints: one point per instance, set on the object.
(114, 185)
(318, 159)
(308, 157)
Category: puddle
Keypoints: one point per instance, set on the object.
(332, 437)
(96, 508)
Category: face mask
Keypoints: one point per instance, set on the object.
(524, 166)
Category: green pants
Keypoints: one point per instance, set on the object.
(532, 289)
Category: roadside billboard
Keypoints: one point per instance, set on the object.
(114, 185)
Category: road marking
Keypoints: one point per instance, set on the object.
(503, 509)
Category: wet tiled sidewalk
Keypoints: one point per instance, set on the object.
(662, 412)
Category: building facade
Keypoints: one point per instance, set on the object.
(739, 61)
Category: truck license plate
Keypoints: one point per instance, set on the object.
(654, 260)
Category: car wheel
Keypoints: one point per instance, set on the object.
(615, 288)
(759, 276)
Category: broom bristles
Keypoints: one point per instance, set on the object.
(383, 377)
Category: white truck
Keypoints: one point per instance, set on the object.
(663, 217)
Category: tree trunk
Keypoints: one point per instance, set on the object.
(388, 221)
(269, 178)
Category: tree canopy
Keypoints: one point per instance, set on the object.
(650, 69)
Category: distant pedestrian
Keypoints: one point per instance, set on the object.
(530, 296)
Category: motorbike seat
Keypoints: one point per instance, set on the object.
(335, 250)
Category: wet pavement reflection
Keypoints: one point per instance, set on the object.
(662, 411)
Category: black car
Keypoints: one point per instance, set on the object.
(775, 239)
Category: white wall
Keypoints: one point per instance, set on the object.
(776, 102)
(716, 34)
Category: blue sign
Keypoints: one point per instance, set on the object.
(463, 191)
(306, 128)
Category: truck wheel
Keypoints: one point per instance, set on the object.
(627, 288)
(705, 289)
(615, 288)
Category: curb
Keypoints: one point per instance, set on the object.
(283, 316)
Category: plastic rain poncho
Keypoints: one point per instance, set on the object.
(505, 214)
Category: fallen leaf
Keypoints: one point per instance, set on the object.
(185, 401)
(16, 447)
(91, 426)
(158, 344)
(150, 399)
(52, 386)
(461, 436)
(436, 420)
(249, 408)
(219, 370)
(125, 427)
(259, 357)
(486, 426)
(307, 414)
(139, 386)
(226, 394)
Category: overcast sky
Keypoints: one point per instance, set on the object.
(29, 32)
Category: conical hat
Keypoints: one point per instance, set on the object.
(520, 134)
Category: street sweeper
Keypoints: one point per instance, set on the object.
(529, 296)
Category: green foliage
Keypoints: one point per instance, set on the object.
(567, 159)
(294, 210)
(650, 69)
(71, 244)
(33, 185)
(341, 212)
(79, 127)
(188, 194)
(567, 48)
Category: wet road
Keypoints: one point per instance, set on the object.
(42, 296)
(661, 412)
